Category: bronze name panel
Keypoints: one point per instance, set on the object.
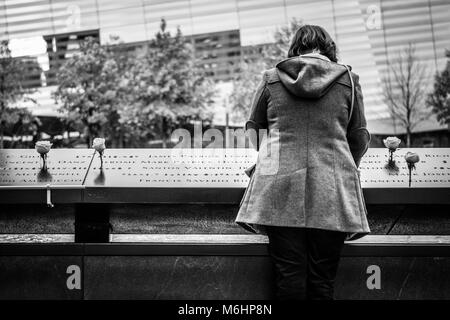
(389, 184)
(24, 167)
(171, 168)
(169, 175)
(23, 177)
(432, 171)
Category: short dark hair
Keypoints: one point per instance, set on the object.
(308, 38)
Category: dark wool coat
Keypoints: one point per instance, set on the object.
(306, 174)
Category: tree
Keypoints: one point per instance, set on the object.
(253, 62)
(277, 51)
(87, 89)
(405, 90)
(439, 99)
(167, 89)
(12, 90)
(244, 86)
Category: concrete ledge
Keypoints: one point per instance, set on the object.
(212, 245)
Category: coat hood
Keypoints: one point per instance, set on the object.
(309, 77)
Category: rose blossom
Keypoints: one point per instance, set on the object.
(43, 147)
(412, 157)
(392, 143)
(99, 145)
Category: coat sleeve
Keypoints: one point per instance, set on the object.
(357, 135)
(258, 113)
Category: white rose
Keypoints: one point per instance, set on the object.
(412, 157)
(99, 144)
(392, 143)
(43, 147)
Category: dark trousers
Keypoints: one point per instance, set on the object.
(305, 261)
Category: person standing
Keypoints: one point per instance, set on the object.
(304, 191)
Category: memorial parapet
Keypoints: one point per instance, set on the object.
(197, 176)
(24, 178)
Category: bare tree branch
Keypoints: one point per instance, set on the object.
(405, 90)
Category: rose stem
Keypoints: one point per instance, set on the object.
(410, 170)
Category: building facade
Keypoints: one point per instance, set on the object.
(370, 34)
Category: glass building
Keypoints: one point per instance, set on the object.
(369, 34)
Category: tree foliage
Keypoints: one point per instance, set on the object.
(439, 99)
(167, 89)
(277, 51)
(244, 86)
(87, 90)
(129, 97)
(254, 61)
(13, 120)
